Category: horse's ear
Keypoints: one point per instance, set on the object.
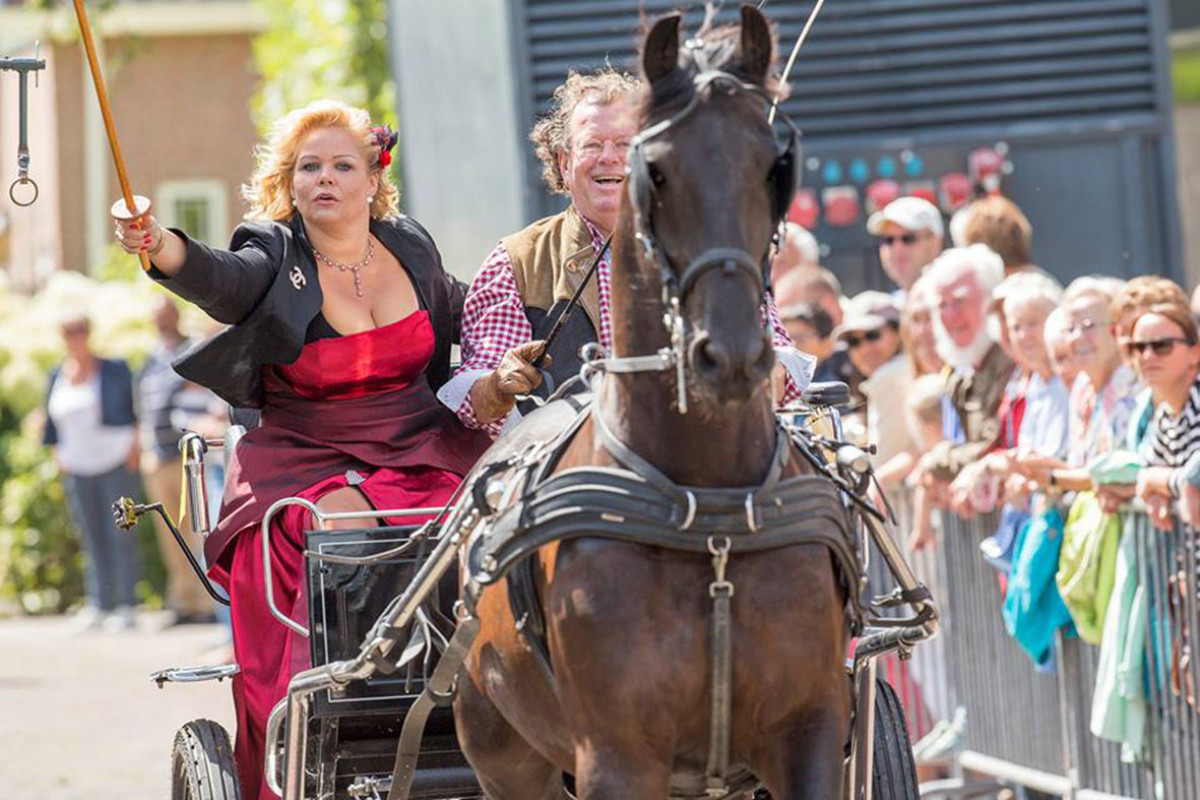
(757, 46)
(660, 52)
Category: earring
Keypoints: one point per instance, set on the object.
(370, 199)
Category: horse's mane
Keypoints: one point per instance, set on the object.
(716, 48)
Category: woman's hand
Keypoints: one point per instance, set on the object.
(1113, 495)
(143, 234)
(495, 394)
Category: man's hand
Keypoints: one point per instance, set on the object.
(494, 395)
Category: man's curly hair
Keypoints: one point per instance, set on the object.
(549, 135)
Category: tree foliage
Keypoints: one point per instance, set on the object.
(314, 49)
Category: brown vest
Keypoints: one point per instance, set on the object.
(549, 260)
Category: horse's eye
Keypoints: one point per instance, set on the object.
(656, 176)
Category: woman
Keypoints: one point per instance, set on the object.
(1042, 431)
(91, 427)
(916, 329)
(342, 321)
(1163, 344)
(1104, 393)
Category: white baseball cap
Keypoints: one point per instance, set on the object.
(910, 213)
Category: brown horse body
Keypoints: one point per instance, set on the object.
(628, 626)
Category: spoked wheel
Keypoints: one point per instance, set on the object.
(202, 766)
(895, 770)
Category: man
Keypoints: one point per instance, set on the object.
(871, 336)
(798, 250)
(964, 279)
(162, 414)
(817, 286)
(530, 276)
(910, 233)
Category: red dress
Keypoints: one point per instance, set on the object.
(358, 402)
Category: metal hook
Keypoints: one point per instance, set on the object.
(23, 66)
(21, 181)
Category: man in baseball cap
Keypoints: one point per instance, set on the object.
(910, 232)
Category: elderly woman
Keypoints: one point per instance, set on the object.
(1028, 301)
(916, 329)
(342, 319)
(1104, 393)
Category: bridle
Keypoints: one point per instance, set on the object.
(677, 284)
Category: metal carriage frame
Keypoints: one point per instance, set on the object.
(354, 725)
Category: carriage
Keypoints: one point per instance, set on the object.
(568, 620)
(376, 704)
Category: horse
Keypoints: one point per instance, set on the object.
(624, 700)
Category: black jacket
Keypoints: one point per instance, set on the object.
(116, 397)
(266, 288)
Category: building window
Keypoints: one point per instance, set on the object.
(198, 208)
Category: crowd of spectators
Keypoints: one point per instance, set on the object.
(1056, 407)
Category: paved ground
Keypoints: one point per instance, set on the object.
(80, 720)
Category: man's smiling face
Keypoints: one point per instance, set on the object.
(593, 166)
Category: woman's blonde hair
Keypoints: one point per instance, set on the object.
(269, 192)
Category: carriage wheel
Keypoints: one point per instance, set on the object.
(895, 769)
(202, 766)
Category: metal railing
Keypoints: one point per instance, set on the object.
(1032, 728)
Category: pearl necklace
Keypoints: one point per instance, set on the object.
(352, 267)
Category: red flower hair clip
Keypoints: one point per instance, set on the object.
(385, 140)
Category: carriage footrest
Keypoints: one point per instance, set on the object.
(430, 779)
(194, 674)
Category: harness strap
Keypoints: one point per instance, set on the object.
(625, 456)
(438, 691)
(716, 773)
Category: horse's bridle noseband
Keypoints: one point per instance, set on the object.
(676, 285)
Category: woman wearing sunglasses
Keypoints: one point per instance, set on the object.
(1163, 346)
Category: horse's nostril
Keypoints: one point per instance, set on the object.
(708, 356)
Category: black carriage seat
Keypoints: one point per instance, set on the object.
(826, 393)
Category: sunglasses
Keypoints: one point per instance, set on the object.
(1160, 347)
(907, 238)
(870, 336)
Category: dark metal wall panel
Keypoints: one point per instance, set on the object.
(1079, 88)
(895, 66)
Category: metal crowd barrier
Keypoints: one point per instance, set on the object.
(1029, 728)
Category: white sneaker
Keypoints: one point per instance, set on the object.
(121, 620)
(89, 618)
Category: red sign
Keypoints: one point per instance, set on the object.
(841, 206)
(805, 210)
(880, 193)
(955, 189)
(922, 189)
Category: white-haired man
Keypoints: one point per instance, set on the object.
(963, 279)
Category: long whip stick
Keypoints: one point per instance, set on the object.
(89, 45)
(787, 70)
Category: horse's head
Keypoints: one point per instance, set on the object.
(709, 185)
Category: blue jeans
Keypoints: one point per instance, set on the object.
(110, 569)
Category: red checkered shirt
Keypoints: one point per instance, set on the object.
(494, 322)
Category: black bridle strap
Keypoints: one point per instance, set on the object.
(571, 304)
(728, 259)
